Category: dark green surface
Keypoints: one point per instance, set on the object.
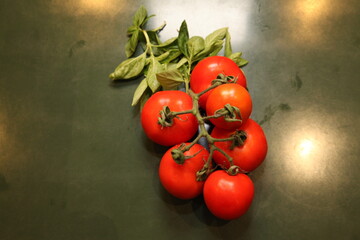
(74, 163)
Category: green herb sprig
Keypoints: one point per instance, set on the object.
(167, 65)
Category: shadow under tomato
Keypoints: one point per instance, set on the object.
(180, 206)
(203, 214)
(153, 148)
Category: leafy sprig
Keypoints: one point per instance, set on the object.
(167, 65)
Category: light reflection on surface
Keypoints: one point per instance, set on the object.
(311, 161)
(202, 20)
(305, 147)
(307, 152)
(305, 17)
(89, 7)
(311, 9)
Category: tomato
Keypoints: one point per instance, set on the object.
(228, 197)
(208, 69)
(249, 156)
(180, 179)
(236, 96)
(183, 127)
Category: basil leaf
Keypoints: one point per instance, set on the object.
(167, 43)
(146, 95)
(216, 47)
(209, 50)
(154, 37)
(170, 66)
(228, 48)
(132, 29)
(170, 79)
(158, 29)
(131, 44)
(215, 36)
(173, 54)
(139, 92)
(129, 68)
(236, 57)
(154, 68)
(155, 40)
(140, 16)
(183, 37)
(146, 20)
(182, 62)
(195, 45)
(213, 44)
(163, 56)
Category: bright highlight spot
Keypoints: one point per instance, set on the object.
(89, 7)
(305, 147)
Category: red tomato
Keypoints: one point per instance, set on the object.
(180, 179)
(247, 157)
(182, 129)
(232, 94)
(208, 69)
(228, 197)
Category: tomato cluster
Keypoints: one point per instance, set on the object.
(236, 144)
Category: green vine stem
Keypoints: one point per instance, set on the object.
(149, 45)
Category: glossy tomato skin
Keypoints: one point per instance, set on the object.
(182, 129)
(232, 94)
(180, 179)
(228, 197)
(208, 69)
(249, 156)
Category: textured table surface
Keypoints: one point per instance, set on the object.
(75, 164)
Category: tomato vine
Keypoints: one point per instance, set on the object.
(229, 115)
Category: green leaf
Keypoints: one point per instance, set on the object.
(216, 47)
(129, 68)
(228, 48)
(174, 54)
(146, 95)
(170, 66)
(131, 44)
(213, 44)
(236, 57)
(195, 45)
(183, 37)
(155, 40)
(132, 29)
(163, 56)
(140, 16)
(209, 50)
(146, 20)
(170, 79)
(167, 43)
(158, 29)
(182, 62)
(154, 37)
(139, 92)
(154, 68)
(213, 37)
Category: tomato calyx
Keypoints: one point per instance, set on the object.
(167, 116)
(234, 170)
(230, 113)
(238, 139)
(178, 153)
(222, 78)
(203, 173)
(219, 80)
